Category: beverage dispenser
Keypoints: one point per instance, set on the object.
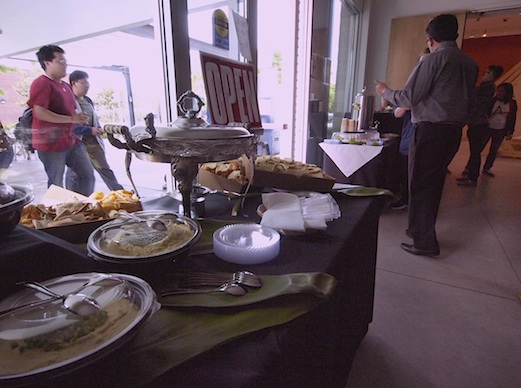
(363, 109)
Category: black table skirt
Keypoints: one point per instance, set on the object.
(382, 171)
(315, 349)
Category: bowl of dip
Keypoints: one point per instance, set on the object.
(134, 241)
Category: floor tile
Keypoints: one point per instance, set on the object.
(451, 321)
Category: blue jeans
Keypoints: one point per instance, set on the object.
(77, 160)
(99, 162)
(6, 157)
(497, 136)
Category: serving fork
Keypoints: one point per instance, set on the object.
(198, 282)
(201, 279)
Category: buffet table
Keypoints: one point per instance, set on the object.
(315, 349)
(377, 166)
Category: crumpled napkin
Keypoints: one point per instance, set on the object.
(283, 211)
(317, 209)
(294, 212)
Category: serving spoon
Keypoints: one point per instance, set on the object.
(79, 304)
(98, 280)
(153, 222)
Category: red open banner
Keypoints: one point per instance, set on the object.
(231, 91)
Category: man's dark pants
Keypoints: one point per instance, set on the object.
(431, 150)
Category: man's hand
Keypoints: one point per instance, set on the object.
(380, 87)
(97, 131)
(80, 118)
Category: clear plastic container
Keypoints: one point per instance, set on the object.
(246, 243)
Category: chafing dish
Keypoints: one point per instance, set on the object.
(184, 144)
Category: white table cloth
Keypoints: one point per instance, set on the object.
(350, 157)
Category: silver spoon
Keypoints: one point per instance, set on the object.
(228, 288)
(79, 304)
(153, 223)
(99, 280)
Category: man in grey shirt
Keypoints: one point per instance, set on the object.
(440, 93)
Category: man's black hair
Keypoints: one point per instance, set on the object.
(497, 70)
(77, 75)
(46, 53)
(443, 28)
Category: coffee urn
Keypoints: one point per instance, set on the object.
(363, 109)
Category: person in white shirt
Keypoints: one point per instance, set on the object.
(502, 121)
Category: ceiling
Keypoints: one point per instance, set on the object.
(493, 23)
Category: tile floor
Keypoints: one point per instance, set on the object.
(453, 321)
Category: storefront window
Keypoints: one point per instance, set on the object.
(211, 29)
(344, 41)
(122, 59)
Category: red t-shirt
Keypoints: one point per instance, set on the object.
(58, 98)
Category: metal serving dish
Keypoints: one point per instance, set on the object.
(20, 328)
(184, 144)
(112, 241)
(11, 210)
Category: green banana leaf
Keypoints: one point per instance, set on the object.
(174, 335)
(366, 192)
(318, 284)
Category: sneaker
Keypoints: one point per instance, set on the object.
(488, 173)
(399, 205)
(468, 183)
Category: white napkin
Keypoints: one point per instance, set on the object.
(317, 209)
(283, 212)
(293, 212)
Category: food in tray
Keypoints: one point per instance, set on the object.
(40, 216)
(288, 166)
(99, 206)
(117, 200)
(138, 240)
(28, 354)
(353, 141)
(233, 170)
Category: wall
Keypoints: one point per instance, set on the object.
(374, 64)
(504, 51)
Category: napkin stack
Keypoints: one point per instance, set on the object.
(294, 212)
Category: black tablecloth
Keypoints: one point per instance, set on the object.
(381, 171)
(315, 349)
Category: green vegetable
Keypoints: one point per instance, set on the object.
(57, 339)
